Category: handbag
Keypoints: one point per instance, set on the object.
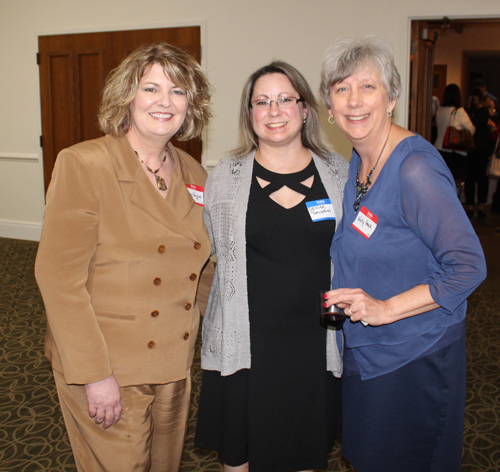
(494, 165)
(457, 139)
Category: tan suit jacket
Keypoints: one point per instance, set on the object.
(118, 266)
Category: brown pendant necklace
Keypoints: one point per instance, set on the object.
(160, 182)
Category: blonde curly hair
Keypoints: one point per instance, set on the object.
(181, 69)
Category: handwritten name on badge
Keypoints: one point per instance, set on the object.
(196, 192)
(365, 223)
(320, 210)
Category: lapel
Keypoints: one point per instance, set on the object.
(171, 212)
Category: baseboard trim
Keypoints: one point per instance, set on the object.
(20, 230)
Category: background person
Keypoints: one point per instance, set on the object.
(477, 160)
(452, 104)
(122, 248)
(434, 109)
(406, 257)
(495, 204)
(480, 83)
(269, 400)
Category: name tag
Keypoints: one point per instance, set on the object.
(320, 210)
(365, 223)
(196, 192)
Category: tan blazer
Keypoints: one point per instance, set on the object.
(118, 266)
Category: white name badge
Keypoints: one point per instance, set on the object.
(321, 210)
(196, 192)
(365, 223)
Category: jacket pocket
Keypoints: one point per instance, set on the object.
(118, 316)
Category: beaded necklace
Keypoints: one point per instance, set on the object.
(362, 188)
(160, 182)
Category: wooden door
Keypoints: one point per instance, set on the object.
(421, 76)
(73, 70)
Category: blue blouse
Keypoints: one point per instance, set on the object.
(422, 236)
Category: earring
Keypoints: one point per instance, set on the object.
(331, 122)
(304, 121)
(389, 113)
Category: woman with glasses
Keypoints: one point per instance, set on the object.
(270, 397)
(406, 258)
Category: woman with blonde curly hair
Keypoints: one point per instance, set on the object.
(122, 249)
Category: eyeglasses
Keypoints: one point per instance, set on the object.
(282, 102)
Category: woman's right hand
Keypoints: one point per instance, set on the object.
(359, 305)
(104, 400)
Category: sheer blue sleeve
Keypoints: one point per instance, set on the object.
(434, 213)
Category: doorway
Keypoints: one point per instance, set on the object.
(457, 49)
(73, 70)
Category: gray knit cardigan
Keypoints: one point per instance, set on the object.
(226, 326)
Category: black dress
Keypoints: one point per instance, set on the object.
(283, 414)
(477, 160)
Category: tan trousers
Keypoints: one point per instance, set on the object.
(148, 438)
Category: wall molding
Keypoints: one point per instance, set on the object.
(209, 165)
(20, 230)
(20, 157)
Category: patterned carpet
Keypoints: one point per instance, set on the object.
(32, 434)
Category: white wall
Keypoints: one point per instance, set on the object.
(238, 37)
(474, 38)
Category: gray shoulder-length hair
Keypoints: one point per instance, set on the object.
(311, 129)
(346, 56)
(181, 69)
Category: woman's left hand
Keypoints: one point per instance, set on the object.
(359, 305)
(104, 401)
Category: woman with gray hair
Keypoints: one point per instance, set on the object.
(406, 258)
(271, 211)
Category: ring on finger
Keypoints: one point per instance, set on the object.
(349, 311)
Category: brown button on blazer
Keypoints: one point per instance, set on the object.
(99, 255)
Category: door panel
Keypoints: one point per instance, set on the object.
(89, 85)
(439, 81)
(421, 75)
(124, 42)
(60, 91)
(73, 70)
